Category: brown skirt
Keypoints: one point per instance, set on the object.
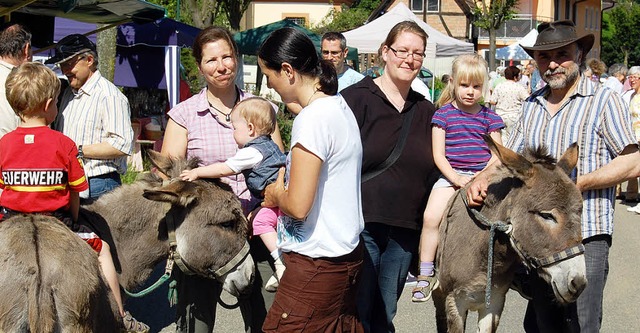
(317, 295)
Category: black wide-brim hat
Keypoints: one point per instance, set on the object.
(69, 47)
(554, 35)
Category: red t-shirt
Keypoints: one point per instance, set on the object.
(39, 167)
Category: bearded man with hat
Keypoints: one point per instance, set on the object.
(571, 108)
(94, 114)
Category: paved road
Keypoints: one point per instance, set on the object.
(621, 303)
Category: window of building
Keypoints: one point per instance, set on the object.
(301, 21)
(417, 5)
(433, 5)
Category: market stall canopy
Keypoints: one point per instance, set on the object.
(147, 55)
(515, 50)
(93, 11)
(249, 41)
(368, 37)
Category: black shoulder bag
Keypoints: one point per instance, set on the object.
(397, 149)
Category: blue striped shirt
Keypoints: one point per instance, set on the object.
(97, 112)
(598, 120)
(464, 147)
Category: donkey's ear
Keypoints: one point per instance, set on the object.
(161, 162)
(178, 192)
(513, 161)
(569, 159)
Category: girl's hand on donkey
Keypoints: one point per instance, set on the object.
(461, 181)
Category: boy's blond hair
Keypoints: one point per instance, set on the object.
(259, 112)
(29, 87)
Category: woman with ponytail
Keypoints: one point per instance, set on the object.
(319, 231)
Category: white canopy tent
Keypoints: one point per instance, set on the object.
(515, 50)
(368, 37)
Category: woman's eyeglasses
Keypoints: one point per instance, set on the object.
(402, 54)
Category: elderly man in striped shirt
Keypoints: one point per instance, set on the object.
(94, 114)
(573, 109)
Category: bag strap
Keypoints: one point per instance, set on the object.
(397, 149)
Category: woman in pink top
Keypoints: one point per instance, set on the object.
(201, 127)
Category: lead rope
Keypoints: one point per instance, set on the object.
(505, 227)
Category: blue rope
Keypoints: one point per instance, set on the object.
(487, 292)
(151, 288)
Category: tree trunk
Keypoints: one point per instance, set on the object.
(492, 49)
(106, 45)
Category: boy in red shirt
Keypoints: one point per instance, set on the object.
(41, 171)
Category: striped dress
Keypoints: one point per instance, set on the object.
(598, 120)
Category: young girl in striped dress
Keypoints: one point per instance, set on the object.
(459, 152)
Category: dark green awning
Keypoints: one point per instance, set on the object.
(91, 11)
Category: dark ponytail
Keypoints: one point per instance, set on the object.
(328, 77)
(292, 46)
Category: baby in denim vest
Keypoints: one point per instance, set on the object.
(259, 159)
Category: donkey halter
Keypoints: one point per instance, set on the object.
(506, 227)
(174, 258)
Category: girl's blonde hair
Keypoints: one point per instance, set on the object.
(467, 67)
(259, 112)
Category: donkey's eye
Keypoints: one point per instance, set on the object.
(547, 216)
(227, 225)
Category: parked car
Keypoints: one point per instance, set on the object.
(425, 75)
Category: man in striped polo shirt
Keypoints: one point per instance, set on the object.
(571, 108)
(94, 114)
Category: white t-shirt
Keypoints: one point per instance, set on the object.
(328, 129)
(245, 158)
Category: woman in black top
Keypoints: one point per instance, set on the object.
(393, 201)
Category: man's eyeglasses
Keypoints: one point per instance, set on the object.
(71, 62)
(402, 54)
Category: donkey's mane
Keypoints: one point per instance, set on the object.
(176, 166)
(540, 155)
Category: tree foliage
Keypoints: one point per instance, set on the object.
(346, 18)
(621, 33)
(490, 15)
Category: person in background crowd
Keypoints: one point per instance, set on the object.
(201, 127)
(321, 195)
(334, 48)
(15, 49)
(393, 197)
(523, 77)
(617, 74)
(570, 109)
(535, 82)
(94, 114)
(632, 98)
(508, 98)
(594, 69)
(446, 79)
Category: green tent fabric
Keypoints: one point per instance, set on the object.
(249, 41)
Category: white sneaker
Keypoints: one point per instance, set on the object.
(634, 209)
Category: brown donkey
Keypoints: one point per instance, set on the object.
(538, 208)
(50, 280)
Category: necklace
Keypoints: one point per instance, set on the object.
(398, 107)
(310, 97)
(227, 116)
